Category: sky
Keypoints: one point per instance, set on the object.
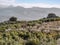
(39, 1)
(32, 3)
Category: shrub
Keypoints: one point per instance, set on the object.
(52, 15)
(13, 19)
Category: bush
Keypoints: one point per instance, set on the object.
(52, 15)
(13, 19)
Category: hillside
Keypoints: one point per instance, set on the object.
(44, 31)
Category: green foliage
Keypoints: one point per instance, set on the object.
(52, 15)
(13, 19)
(12, 34)
(20, 37)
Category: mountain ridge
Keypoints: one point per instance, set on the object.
(22, 13)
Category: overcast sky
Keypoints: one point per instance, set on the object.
(32, 3)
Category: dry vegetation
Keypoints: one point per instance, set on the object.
(45, 31)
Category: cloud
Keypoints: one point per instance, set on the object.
(7, 2)
(27, 5)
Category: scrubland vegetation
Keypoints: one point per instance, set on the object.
(15, 32)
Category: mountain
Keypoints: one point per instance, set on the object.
(22, 13)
